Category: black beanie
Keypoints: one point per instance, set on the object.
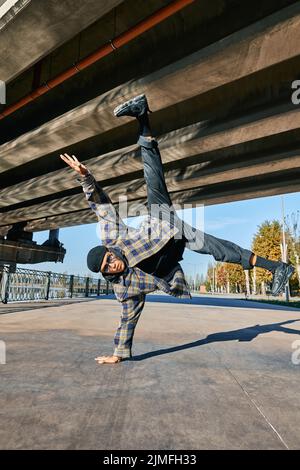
(95, 258)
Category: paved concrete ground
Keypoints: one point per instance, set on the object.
(203, 377)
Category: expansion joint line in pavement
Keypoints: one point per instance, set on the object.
(252, 401)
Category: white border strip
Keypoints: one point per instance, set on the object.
(7, 6)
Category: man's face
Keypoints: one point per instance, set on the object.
(116, 265)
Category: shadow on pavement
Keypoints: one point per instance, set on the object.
(243, 334)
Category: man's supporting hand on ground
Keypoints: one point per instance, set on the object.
(108, 359)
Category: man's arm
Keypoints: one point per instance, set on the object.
(131, 311)
(112, 226)
(111, 223)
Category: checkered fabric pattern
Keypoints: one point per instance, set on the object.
(136, 244)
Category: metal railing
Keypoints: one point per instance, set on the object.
(29, 284)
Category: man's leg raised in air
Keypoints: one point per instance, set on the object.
(222, 250)
(198, 241)
(158, 197)
(227, 251)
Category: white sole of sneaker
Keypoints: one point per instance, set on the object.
(127, 103)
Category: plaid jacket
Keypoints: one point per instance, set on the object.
(136, 244)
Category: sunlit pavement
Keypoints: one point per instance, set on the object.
(209, 374)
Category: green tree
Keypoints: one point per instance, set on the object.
(221, 276)
(236, 277)
(209, 277)
(197, 283)
(266, 243)
(292, 226)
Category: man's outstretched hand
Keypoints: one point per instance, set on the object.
(108, 359)
(74, 163)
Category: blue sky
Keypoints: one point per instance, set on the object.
(235, 221)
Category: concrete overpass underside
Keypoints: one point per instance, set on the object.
(218, 76)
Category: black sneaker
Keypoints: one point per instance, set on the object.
(134, 107)
(281, 277)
